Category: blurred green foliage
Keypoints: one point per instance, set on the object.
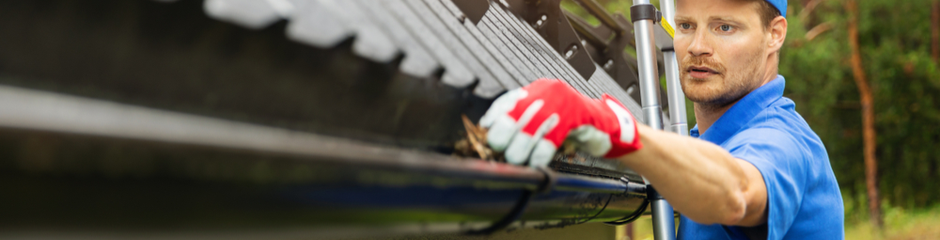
(895, 42)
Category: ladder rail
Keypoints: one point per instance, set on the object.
(645, 17)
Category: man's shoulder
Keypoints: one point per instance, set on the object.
(780, 128)
(780, 114)
(780, 121)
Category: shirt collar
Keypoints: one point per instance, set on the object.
(742, 112)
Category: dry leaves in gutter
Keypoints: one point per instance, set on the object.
(474, 145)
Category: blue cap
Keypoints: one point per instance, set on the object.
(781, 6)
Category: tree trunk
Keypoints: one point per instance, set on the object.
(935, 31)
(868, 117)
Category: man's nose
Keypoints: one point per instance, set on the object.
(699, 45)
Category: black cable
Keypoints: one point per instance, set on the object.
(636, 214)
(633, 216)
(598, 212)
(565, 223)
(627, 219)
(514, 214)
(545, 186)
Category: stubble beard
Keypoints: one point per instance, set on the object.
(733, 85)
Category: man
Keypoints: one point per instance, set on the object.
(752, 169)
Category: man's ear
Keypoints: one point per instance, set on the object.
(778, 33)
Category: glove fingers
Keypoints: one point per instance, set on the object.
(543, 153)
(501, 132)
(591, 140)
(518, 151)
(522, 146)
(501, 106)
(504, 127)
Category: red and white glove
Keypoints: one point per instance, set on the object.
(531, 122)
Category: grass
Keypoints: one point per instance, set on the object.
(900, 224)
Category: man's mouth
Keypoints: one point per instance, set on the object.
(701, 72)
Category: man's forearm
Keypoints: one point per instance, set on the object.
(701, 180)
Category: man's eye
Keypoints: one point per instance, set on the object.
(725, 28)
(685, 25)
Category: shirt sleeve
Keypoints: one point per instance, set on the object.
(782, 164)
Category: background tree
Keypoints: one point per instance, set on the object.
(868, 117)
(894, 51)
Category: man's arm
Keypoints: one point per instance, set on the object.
(700, 179)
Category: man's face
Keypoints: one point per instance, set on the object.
(722, 50)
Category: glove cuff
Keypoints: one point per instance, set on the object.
(626, 137)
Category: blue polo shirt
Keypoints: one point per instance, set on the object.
(803, 196)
